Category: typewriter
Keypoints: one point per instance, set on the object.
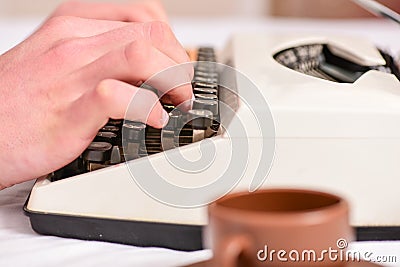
(335, 102)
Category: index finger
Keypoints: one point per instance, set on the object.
(162, 37)
(174, 84)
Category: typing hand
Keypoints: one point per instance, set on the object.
(63, 83)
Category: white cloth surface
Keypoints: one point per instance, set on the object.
(21, 246)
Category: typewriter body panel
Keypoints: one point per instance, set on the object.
(342, 137)
(338, 137)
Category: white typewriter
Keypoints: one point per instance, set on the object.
(335, 103)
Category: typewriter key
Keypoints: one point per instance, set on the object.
(211, 105)
(171, 130)
(133, 131)
(200, 118)
(205, 74)
(206, 66)
(134, 134)
(206, 96)
(108, 137)
(114, 122)
(206, 58)
(206, 85)
(115, 155)
(206, 48)
(98, 152)
(175, 120)
(168, 107)
(205, 79)
(206, 52)
(110, 128)
(200, 90)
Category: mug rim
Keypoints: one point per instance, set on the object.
(300, 217)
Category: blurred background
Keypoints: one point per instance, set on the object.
(218, 8)
(213, 22)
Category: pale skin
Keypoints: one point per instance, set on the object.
(64, 82)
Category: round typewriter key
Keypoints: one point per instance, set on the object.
(206, 66)
(133, 131)
(206, 96)
(205, 69)
(206, 74)
(115, 156)
(206, 48)
(174, 119)
(110, 128)
(200, 90)
(200, 118)
(205, 54)
(114, 122)
(211, 105)
(106, 134)
(99, 146)
(206, 51)
(205, 79)
(206, 58)
(109, 137)
(98, 152)
(206, 85)
(168, 107)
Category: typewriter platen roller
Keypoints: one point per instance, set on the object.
(326, 61)
(336, 107)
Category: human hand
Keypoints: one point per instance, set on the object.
(144, 11)
(62, 84)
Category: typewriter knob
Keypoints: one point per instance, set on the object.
(133, 131)
(114, 122)
(198, 73)
(174, 120)
(110, 128)
(206, 85)
(98, 152)
(200, 118)
(205, 79)
(202, 90)
(206, 96)
(211, 105)
(108, 137)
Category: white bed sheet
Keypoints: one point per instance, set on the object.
(21, 246)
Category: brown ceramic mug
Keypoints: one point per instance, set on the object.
(279, 227)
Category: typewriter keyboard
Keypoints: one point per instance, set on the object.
(141, 140)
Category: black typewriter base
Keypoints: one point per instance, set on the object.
(137, 233)
(377, 233)
(152, 234)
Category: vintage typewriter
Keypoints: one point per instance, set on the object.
(336, 106)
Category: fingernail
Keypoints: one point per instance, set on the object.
(165, 118)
